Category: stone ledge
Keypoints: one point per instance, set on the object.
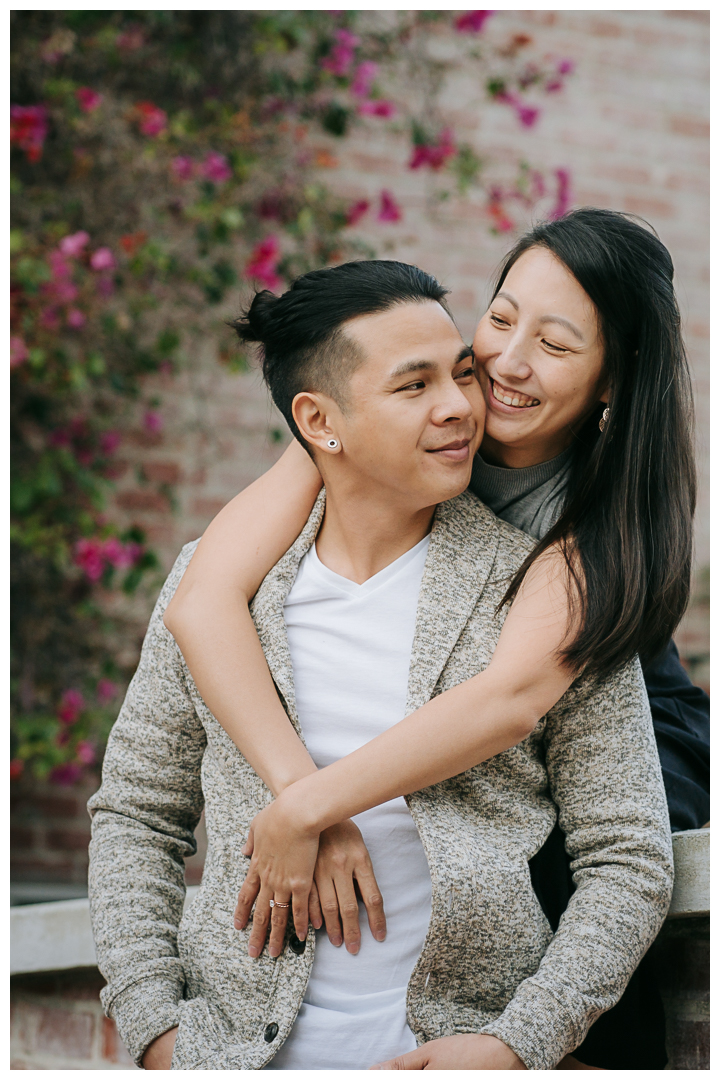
(58, 937)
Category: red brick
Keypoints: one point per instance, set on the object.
(68, 839)
(143, 500)
(58, 806)
(690, 125)
(65, 1033)
(162, 472)
(207, 507)
(649, 207)
(604, 28)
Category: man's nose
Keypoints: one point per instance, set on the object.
(454, 406)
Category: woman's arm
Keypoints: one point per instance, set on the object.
(468, 724)
(209, 618)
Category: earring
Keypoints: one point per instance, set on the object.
(604, 418)
(332, 444)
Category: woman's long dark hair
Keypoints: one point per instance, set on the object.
(626, 529)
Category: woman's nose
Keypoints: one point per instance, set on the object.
(512, 362)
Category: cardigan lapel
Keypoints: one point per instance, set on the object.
(461, 553)
(267, 610)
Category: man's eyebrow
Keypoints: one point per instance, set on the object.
(545, 318)
(409, 366)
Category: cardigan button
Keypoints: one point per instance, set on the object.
(297, 946)
(270, 1032)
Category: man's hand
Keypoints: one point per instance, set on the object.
(342, 862)
(159, 1053)
(458, 1052)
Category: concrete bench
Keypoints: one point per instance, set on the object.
(57, 938)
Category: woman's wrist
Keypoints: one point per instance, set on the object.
(301, 805)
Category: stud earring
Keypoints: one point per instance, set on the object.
(332, 444)
(604, 418)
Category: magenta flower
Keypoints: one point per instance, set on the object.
(71, 705)
(342, 55)
(109, 442)
(153, 120)
(120, 555)
(389, 209)
(104, 285)
(72, 246)
(85, 752)
(527, 115)
(28, 129)
(377, 108)
(434, 155)
(19, 352)
(106, 691)
(363, 78)
(88, 100)
(183, 167)
(102, 259)
(50, 318)
(356, 211)
(89, 557)
(75, 319)
(216, 168)
(565, 67)
(66, 774)
(152, 422)
(552, 85)
(263, 261)
(563, 197)
(472, 22)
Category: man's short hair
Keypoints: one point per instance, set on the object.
(301, 332)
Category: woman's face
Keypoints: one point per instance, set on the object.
(540, 357)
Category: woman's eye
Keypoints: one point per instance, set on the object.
(555, 348)
(498, 320)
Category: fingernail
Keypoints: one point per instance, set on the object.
(354, 948)
(301, 937)
(337, 941)
(238, 924)
(274, 953)
(381, 935)
(253, 950)
(317, 924)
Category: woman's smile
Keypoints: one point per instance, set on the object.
(508, 399)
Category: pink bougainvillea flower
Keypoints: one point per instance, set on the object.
(67, 774)
(85, 752)
(106, 691)
(389, 209)
(89, 100)
(263, 261)
(501, 222)
(102, 259)
(28, 129)
(363, 78)
(50, 318)
(17, 767)
(377, 108)
(552, 85)
(563, 197)
(109, 442)
(73, 246)
(527, 115)
(183, 167)
(216, 168)
(75, 319)
(152, 422)
(434, 155)
(342, 54)
(357, 211)
(121, 555)
(89, 556)
(60, 268)
(565, 67)
(19, 352)
(152, 119)
(71, 705)
(472, 22)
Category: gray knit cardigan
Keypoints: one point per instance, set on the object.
(490, 962)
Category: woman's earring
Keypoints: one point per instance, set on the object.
(332, 444)
(604, 418)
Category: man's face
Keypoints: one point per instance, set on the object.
(415, 410)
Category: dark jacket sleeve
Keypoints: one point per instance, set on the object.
(143, 822)
(681, 719)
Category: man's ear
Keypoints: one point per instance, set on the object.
(313, 414)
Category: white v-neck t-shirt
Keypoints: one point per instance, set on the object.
(350, 646)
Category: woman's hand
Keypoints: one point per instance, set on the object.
(283, 856)
(458, 1052)
(342, 862)
(281, 852)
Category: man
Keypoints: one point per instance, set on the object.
(479, 977)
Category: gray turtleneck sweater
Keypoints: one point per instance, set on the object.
(531, 499)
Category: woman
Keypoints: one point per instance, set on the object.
(609, 486)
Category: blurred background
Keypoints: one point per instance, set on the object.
(163, 163)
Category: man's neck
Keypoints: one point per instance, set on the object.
(361, 534)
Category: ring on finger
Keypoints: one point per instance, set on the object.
(276, 903)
